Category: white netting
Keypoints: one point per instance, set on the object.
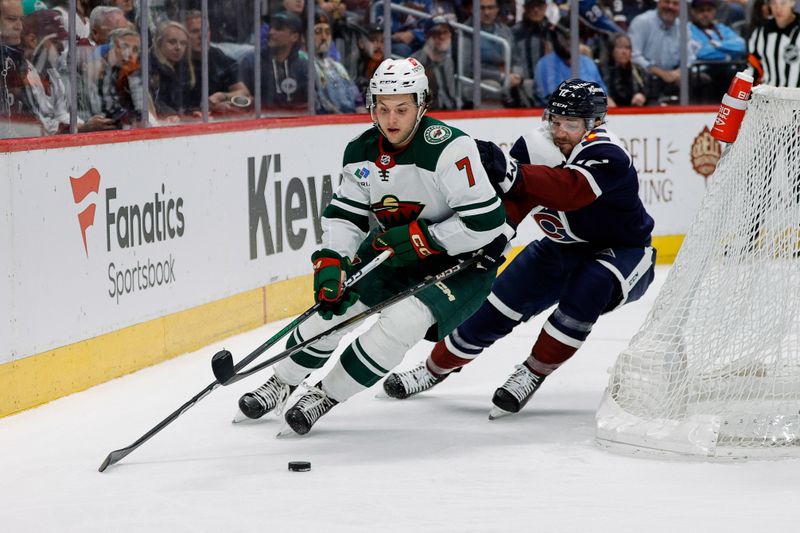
(715, 369)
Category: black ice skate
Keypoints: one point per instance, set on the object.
(515, 392)
(308, 409)
(270, 396)
(401, 385)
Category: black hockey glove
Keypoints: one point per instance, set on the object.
(493, 254)
(502, 170)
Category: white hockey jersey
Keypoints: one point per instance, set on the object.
(438, 177)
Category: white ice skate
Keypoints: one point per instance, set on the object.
(306, 411)
(271, 396)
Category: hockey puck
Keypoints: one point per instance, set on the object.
(299, 466)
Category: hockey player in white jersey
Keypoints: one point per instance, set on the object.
(424, 183)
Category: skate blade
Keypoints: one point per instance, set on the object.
(496, 413)
(240, 417)
(285, 431)
(381, 393)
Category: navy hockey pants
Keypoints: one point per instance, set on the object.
(583, 280)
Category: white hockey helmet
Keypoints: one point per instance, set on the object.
(399, 76)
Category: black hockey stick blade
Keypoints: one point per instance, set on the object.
(117, 455)
(222, 365)
(411, 291)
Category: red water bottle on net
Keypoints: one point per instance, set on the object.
(731, 110)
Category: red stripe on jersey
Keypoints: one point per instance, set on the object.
(562, 189)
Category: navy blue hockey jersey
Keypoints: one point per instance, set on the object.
(593, 197)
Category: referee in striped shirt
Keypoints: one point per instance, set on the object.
(775, 47)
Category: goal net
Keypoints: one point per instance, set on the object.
(715, 369)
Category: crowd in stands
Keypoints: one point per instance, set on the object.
(630, 47)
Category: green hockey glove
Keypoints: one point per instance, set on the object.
(330, 273)
(410, 243)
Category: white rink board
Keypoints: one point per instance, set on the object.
(6, 260)
(61, 293)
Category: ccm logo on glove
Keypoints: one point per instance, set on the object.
(410, 243)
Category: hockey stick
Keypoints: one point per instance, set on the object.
(222, 362)
(117, 455)
(411, 291)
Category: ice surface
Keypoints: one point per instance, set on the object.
(431, 463)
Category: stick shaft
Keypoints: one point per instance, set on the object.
(411, 291)
(352, 280)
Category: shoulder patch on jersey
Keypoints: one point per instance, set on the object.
(595, 135)
(437, 134)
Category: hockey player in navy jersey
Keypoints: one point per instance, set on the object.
(423, 182)
(596, 255)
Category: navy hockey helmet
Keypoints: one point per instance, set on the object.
(580, 99)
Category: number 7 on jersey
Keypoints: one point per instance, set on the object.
(464, 163)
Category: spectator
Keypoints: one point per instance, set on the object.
(656, 47)
(774, 54)
(435, 55)
(43, 36)
(81, 16)
(91, 58)
(507, 12)
(16, 111)
(43, 39)
(227, 93)
(556, 67)
(334, 9)
(732, 13)
(127, 7)
(625, 79)
(407, 37)
(531, 41)
(172, 78)
(370, 48)
(711, 40)
(232, 21)
(593, 16)
(122, 83)
(102, 20)
(493, 62)
(335, 91)
(714, 42)
(284, 65)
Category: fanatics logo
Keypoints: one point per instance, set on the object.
(81, 188)
(437, 134)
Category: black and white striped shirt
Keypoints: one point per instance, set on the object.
(775, 54)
